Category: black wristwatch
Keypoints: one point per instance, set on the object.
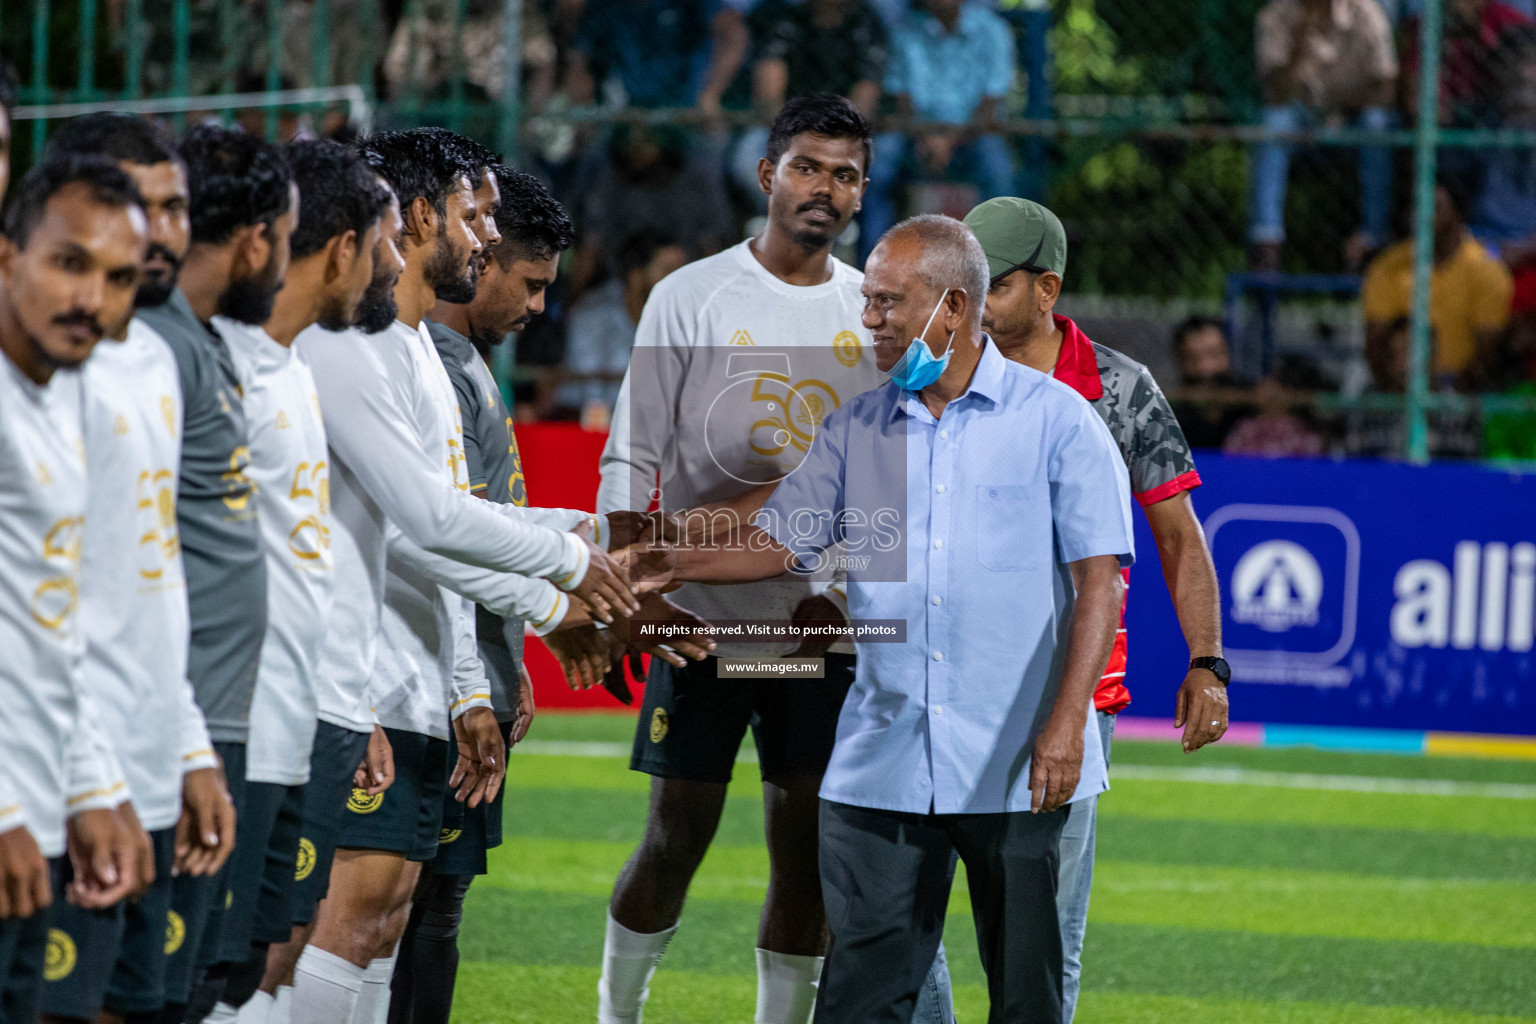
(1217, 667)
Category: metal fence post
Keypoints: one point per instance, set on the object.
(509, 130)
(274, 64)
(133, 32)
(181, 70)
(39, 71)
(86, 86)
(1423, 228)
(457, 67)
(321, 29)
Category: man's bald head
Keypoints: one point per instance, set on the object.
(943, 254)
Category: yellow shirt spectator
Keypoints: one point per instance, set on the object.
(1469, 296)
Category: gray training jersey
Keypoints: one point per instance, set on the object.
(495, 473)
(216, 517)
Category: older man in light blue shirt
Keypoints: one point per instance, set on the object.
(985, 505)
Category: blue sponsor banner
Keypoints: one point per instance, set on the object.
(1357, 594)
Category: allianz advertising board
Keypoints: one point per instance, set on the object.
(1357, 594)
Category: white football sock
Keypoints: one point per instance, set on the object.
(786, 987)
(373, 998)
(629, 961)
(282, 1006)
(257, 1010)
(222, 1013)
(325, 988)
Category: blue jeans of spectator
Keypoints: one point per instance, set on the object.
(1074, 880)
(1272, 169)
(985, 161)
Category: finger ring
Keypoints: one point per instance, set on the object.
(1216, 723)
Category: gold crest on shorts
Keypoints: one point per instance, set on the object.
(448, 835)
(361, 803)
(306, 860)
(658, 725)
(60, 957)
(175, 932)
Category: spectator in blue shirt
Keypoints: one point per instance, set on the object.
(950, 62)
(800, 47)
(664, 53)
(994, 512)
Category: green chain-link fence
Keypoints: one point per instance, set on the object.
(1206, 155)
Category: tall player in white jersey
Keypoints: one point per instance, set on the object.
(737, 358)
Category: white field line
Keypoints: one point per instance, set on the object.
(1149, 773)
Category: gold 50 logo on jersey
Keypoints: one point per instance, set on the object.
(56, 598)
(311, 539)
(155, 501)
(781, 417)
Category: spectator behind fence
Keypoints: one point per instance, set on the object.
(601, 329)
(650, 181)
(661, 53)
(1468, 296)
(1469, 60)
(1510, 435)
(1280, 428)
(1205, 366)
(1322, 62)
(1505, 212)
(953, 62)
(1383, 433)
(426, 50)
(800, 47)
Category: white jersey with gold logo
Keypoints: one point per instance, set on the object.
(51, 763)
(290, 466)
(133, 592)
(732, 373)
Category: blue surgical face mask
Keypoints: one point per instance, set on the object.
(918, 366)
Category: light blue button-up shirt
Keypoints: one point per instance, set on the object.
(947, 74)
(1018, 478)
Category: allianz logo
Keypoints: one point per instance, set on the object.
(1486, 598)
(1277, 586)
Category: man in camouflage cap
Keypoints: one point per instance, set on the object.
(1027, 255)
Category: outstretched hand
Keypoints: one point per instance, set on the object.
(482, 762)
(666, 631)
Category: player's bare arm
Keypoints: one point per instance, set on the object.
(1201, 704)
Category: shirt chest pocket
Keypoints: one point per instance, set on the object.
(1013, 528)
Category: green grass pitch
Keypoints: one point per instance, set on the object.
(1305, 886)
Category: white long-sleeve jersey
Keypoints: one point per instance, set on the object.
(386, 472)
(731, 375)
(52, 760)
(429, 669)
(290, 466)
(133, 592)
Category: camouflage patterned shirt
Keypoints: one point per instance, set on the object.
(1150, 439)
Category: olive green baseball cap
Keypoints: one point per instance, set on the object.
(1017, 234)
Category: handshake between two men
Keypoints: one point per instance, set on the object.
(628, 597)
